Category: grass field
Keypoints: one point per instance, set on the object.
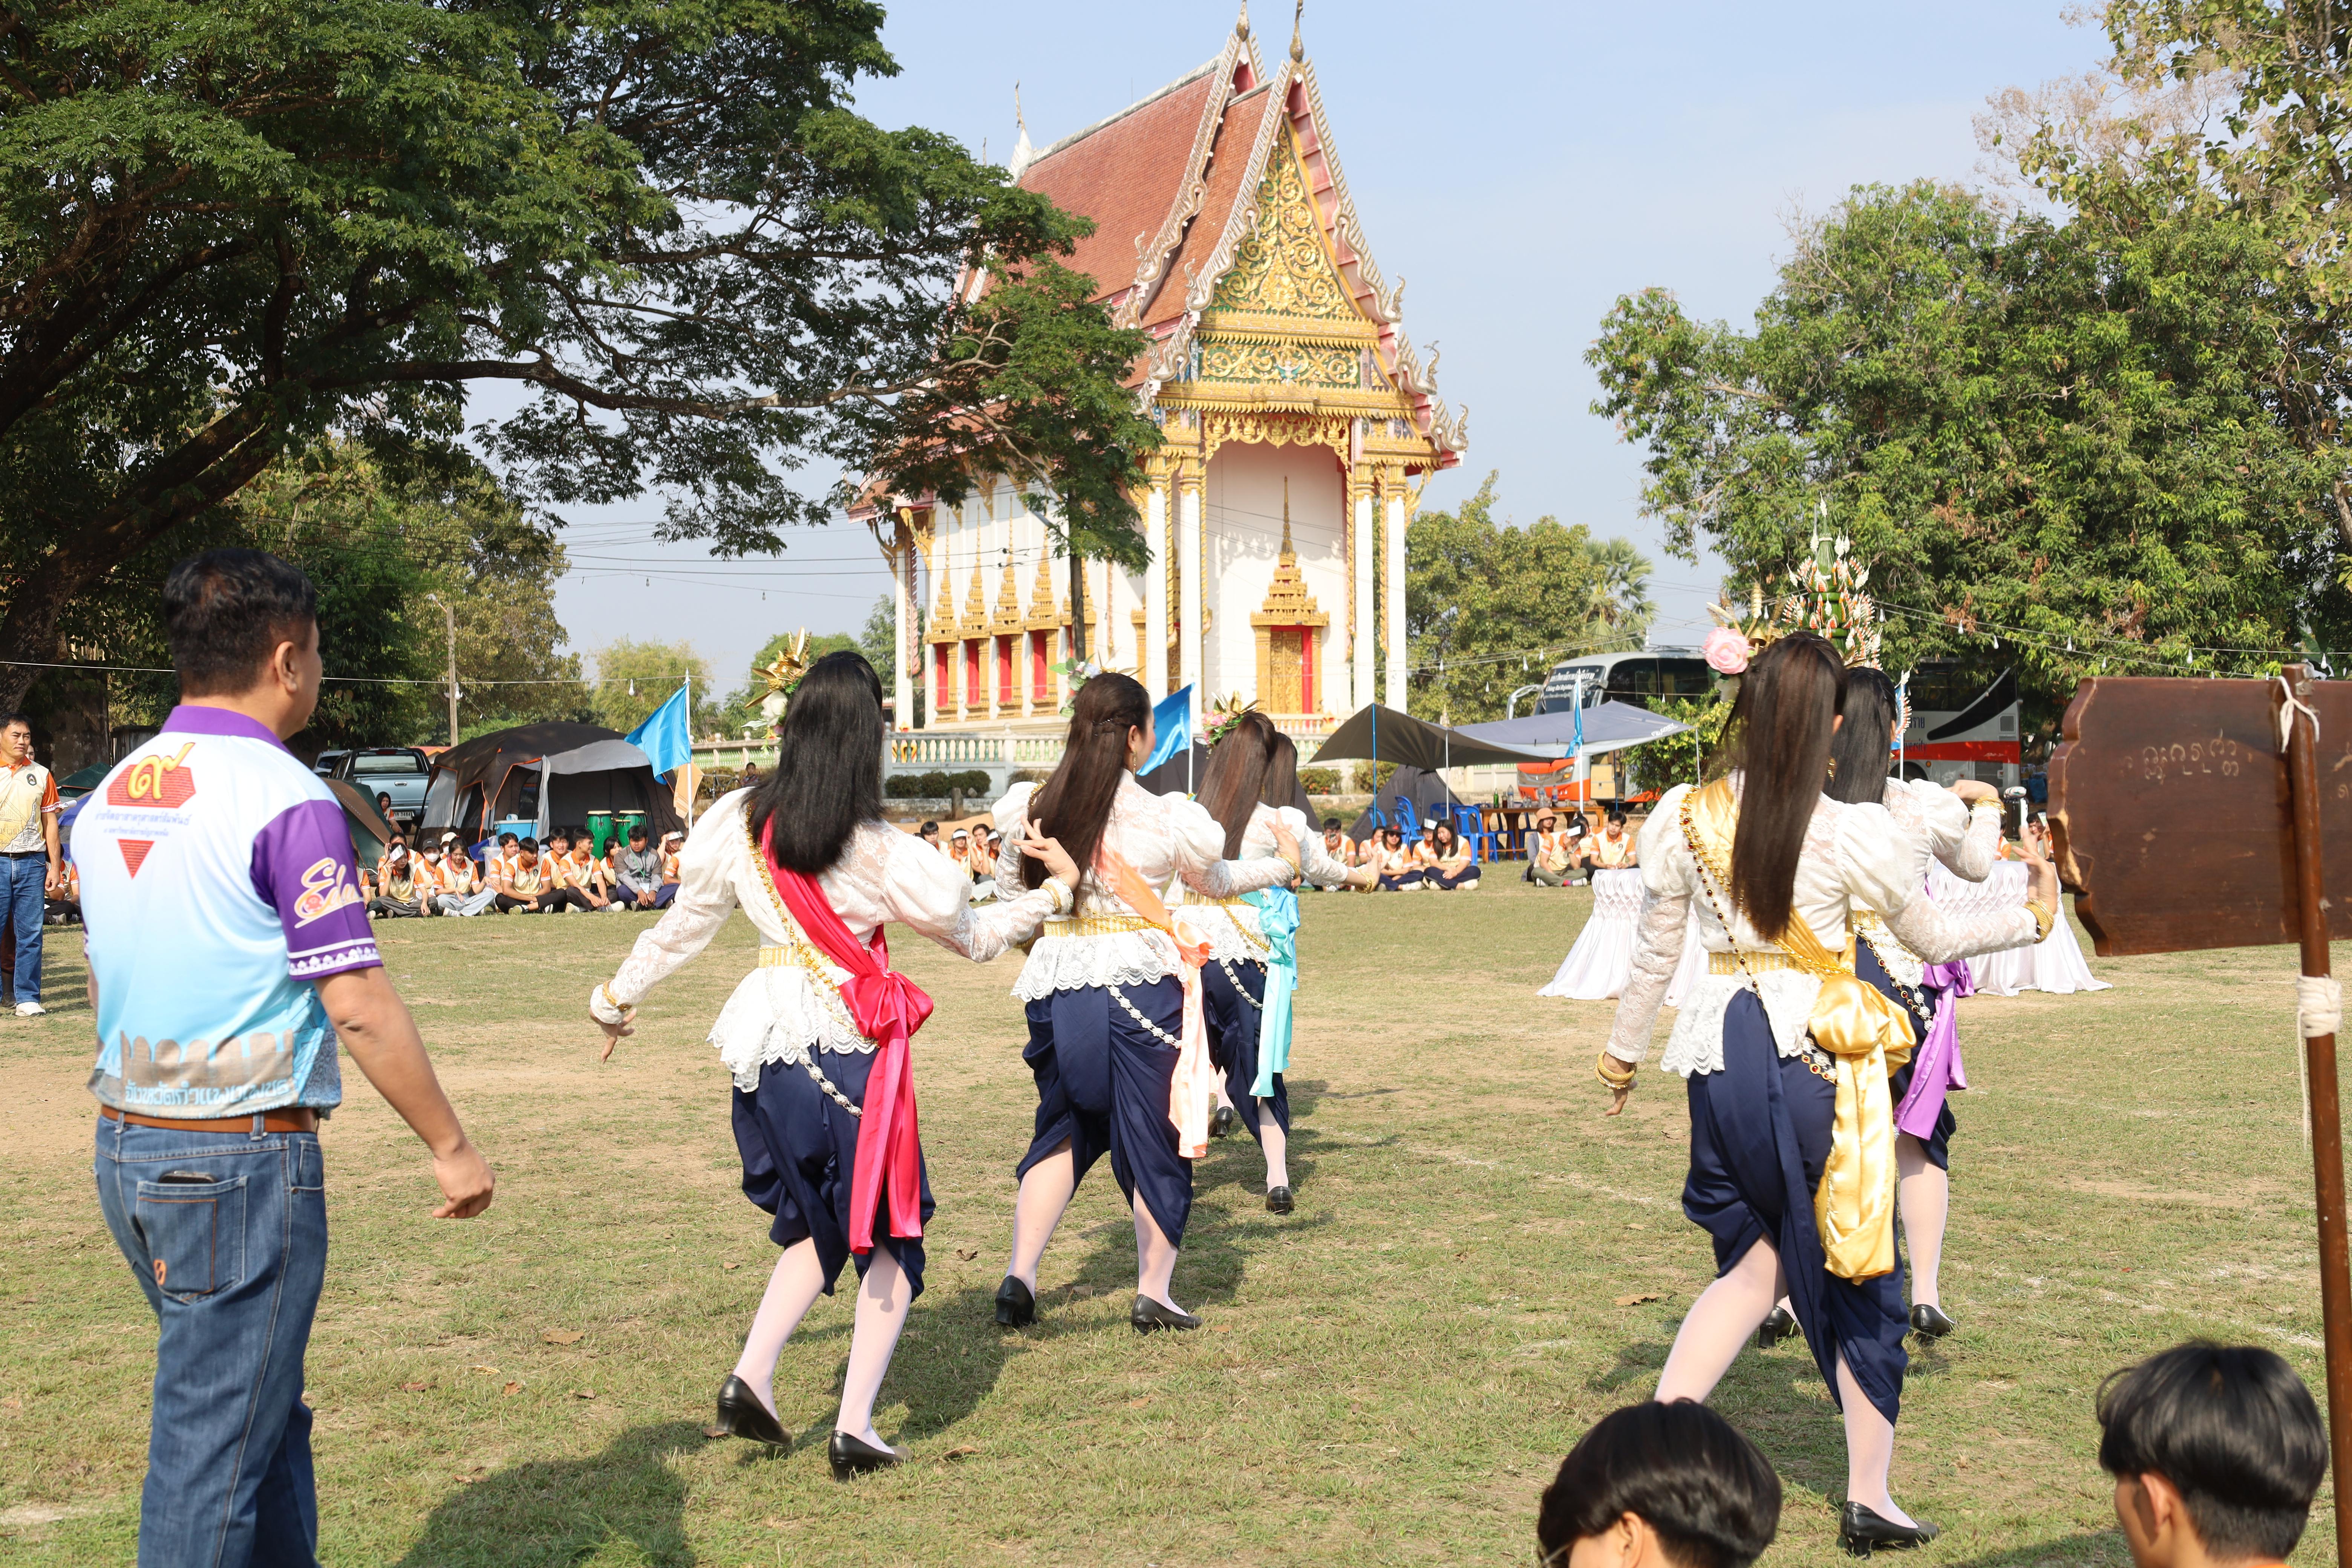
(1479, 1266)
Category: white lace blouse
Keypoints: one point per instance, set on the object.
(779, 1012)
(1966, 841)
(1164, 838)
(1855, 858)
(1232, 930)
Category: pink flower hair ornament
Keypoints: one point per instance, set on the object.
(1726, 650)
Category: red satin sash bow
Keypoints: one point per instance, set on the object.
(887, 1008)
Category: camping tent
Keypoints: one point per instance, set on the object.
(1608, 727)
(1427, 790)
(1376, 733)
(544, 774)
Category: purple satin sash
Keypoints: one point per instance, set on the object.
(1935, 1066)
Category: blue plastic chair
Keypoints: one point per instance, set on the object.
(1472, 825)
(1407, 818)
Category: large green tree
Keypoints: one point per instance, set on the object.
(2070, 429)
(1489, 604)
(230, 229)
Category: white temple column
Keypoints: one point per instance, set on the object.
(1362, 643)
(1393, 689)
(1155, 592)
(1190, 644)
(903, 591)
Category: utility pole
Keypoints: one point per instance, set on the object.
(451, 615)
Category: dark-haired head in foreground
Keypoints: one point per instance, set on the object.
(1674, 1482)
(2217, 1451)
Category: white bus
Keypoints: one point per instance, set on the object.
(1639, 679)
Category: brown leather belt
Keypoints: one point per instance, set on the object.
(299, 1119)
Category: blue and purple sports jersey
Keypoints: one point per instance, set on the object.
(216, 885)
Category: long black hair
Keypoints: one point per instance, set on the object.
(1252, 764)
(1866, 741)
(1786, 713)
(828, 773)
(1074, 805)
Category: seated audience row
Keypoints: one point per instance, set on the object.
(521, 874)
(2215, 1452)
(1565, 856)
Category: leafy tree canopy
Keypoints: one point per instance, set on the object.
(634, 677)
(227, 229)
(1489, 605)
(2069, 430)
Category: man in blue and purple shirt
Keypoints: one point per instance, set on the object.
(228, 949)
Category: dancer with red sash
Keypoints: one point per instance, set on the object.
(817, 1036)
(1117, 1042)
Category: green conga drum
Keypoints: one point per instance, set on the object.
(624, 820)
(600, 830)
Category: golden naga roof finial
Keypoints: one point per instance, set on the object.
(789, 666)
(1241, 27)
(1297, 18)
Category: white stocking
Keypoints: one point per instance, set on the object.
(1925, 1195)
(1276, 1144)
(1155, 1257)
(792, 1289)
(1045, 1194)
(1869, 1449)
(883, 1297)
(1725, 1313)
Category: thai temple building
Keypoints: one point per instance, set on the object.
(1300, 425)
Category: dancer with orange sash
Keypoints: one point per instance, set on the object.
(1113, 994)
(1785, 1054)
(818, 1036)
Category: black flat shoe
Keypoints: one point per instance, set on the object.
(1149, 1315)
(851, 1456)
(1016, 1307)
(1778, 1325)
(1278, 1200)
(1860, 1530)
(1930, 1323)
(1222, 1123)
(741, 1412)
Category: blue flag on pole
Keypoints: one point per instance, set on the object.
(663, 737)
(1171, 722)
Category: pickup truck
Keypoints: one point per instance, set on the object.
(399, 771)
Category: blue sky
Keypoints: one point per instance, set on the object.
(1520, 164)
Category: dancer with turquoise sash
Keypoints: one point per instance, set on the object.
(1251, 779)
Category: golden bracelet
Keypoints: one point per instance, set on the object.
(1623, 1079)
(2044, 919)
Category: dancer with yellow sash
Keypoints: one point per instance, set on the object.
(1251, 779)
(1786, 1053)
(1117, 1042)
(817, 1036)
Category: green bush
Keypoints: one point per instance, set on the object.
(903, 786)
(1319, 781)
(935, 786)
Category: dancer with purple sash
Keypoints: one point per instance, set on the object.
(1959, 826)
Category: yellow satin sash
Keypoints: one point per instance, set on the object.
(1868, 1035)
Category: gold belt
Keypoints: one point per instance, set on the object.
(1096, 925)
(1729, 962)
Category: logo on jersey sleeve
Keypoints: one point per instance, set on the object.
(154, 780)
(325, 890)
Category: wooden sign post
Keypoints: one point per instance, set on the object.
(2139, 764)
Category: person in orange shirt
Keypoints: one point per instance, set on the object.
(1550, 864)
(570, 880)
(671, 843)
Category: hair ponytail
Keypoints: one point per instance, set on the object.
(1865, 743)
(1787, 711)
(1240, 774)
(1072, 806)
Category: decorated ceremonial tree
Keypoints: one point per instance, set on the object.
(228, 229)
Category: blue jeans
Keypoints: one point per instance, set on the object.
(227, 1235)
(22, 878)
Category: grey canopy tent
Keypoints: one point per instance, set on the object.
(1606, 727)
(1374, 733)
(545, 774)
(1432, 800)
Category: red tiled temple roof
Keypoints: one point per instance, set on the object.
(1228, 170)
(1125, 174)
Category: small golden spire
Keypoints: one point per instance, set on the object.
(1287, 553)
(1241, 28)
(1298, 16)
